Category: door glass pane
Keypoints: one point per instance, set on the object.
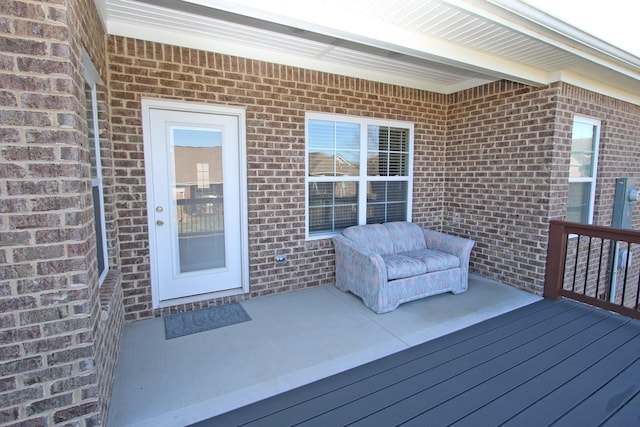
(199, 198)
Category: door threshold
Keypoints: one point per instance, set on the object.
(201, 297)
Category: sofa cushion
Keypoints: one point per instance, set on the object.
(374, 237)
(402, 266)
(406, 236)
(434, 260)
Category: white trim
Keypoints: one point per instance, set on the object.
(362, 179)
(566, 36)
(599, 87)
(541, 26)
(91, 74)
(154, 103)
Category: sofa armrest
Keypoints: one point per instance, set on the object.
(359, 270)
(458, 246)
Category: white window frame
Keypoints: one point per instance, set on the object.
(92, 78)
(362, 179)
(592, 179)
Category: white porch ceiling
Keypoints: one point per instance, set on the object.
(438, 45)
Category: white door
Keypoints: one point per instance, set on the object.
(194, 156)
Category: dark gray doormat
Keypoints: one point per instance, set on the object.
(191, 322)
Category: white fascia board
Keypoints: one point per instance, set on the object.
(578, 80)
(176, 38)
(325, 21)
(539, 25)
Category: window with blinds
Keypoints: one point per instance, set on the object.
(359, 171)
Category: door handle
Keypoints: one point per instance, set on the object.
(159, 223)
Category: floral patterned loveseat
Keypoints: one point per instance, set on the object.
(388, 264)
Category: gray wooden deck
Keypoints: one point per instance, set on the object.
(549, 362)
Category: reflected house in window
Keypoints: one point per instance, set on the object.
(321, 164)
(199, 194)
(199, 171)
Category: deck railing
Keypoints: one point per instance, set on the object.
(595, 265)
(200, 216)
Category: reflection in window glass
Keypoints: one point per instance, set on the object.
(578, 202)
(582, 150)
(199, 198)
(332, 205)
(582, 170)
(387, 151)
(334, 148)
(386, 201)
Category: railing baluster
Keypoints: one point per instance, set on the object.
(626, 273)
(586, 272)
(575, 266)
(599, 268)
(564, 260)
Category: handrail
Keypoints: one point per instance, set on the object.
(557, 252)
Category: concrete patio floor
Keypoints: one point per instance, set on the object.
(292, 339)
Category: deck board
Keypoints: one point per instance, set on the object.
(519, 380)
(551, 360)
(627, 416)
(545, 376)
(569, 396)
(478, 367)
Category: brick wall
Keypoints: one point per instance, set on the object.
(499, 162)
(50, 307)
(507, 165)
(276, 99)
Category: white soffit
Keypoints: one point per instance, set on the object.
(437, 45)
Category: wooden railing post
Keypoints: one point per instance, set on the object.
(556, 252)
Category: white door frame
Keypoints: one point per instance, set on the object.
(149, 104)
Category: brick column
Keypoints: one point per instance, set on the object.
(48, 285)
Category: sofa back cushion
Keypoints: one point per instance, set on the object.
(389, 238)
(406, 236)
(375, 237)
